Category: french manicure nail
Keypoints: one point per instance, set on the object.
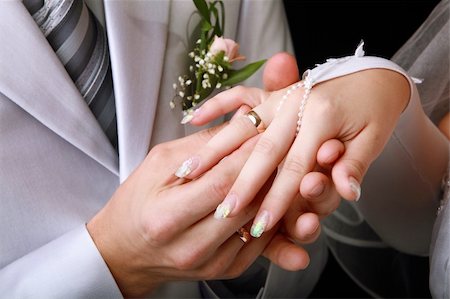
(187, 118)
(197, 112)
(225, 208)
(355, 187)
(187, 167)
(260, 224)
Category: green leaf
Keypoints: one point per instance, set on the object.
(203, 9)
(218, 59)
(206, 26)
(203, 42)
(222, 10)
(217, 29)
(236, 76)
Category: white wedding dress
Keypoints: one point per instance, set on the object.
(378, 240)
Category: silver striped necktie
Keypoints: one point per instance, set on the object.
(79, 41)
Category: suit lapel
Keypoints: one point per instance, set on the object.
(137, 35)
(33, 77)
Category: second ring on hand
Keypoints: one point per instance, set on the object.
(244, 234)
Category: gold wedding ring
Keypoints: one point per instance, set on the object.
(256, 120)
(244, 234)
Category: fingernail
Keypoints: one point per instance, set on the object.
(225, 208)
(260, 224)
(187, 167)
(197, 112)
(190, 116)
(355, 187)
(317, 190)
(187, 118)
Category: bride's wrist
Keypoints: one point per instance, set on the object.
(392, 86)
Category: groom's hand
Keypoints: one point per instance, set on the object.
(158, 228)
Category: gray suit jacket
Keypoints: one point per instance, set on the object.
(57, 168)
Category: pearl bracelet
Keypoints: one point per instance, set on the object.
(307, 85)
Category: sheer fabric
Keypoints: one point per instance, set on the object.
(365, 237)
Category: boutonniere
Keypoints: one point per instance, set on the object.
(212, 58)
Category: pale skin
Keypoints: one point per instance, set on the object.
(344, 129)
(148, 234)
(158, 228)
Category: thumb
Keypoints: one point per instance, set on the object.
(280, 71)
(349, 170)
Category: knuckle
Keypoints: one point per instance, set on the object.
(241, 123)
(182, 263)
(215, 269)
(326, 208)
(210, 152)
(211, 273)
(294, 165)
(205, 135)
(159, 148)
(158, 153)
(266, 146)
(278, 195)
(325, 107)
(218, 188)
(188, 259)
(158, 232)
(357, 167)
(239, 89)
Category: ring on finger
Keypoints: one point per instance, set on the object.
(244, 234)
(256, 120)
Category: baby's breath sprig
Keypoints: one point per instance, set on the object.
(211, 58)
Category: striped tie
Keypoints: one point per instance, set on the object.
(79, 41)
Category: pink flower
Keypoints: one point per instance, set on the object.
(229, 46)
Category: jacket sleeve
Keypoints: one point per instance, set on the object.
(67, 267)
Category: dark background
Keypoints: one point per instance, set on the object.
(324, 29)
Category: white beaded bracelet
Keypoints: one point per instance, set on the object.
(307, 84)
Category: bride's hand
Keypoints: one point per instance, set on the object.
(359, 109)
